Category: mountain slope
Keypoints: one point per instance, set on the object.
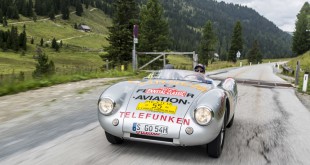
(187, 17)
(80, 49)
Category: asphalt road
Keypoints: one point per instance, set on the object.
(271, 127)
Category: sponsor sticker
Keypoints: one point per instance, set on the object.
(157, 106)
(166, 91)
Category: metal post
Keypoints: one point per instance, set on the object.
(240, 64)
(195, 59)
(164, 55)
(305, 85)
(107, 64)
(297, 73)
(134, 57)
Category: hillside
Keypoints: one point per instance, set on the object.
(80, 49)
(187, 17)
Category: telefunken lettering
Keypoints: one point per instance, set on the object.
(160, 98)
(159, 117)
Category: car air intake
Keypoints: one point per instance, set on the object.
(151, 138)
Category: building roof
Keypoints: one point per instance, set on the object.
(85, 27)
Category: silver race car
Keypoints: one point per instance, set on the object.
(170, 107)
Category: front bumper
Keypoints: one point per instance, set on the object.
(200, 136)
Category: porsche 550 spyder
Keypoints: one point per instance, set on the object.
(170, 107)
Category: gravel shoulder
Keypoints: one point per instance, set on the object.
(304, 98)
(35, 117)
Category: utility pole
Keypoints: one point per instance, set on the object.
(135, 41)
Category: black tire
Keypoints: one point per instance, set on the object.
(214, 148)
(231, 122)
(113, 139)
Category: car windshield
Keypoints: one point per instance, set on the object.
(175, 74)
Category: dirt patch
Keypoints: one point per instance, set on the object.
(30, 102)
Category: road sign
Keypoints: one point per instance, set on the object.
(135, 40)
(238, 54)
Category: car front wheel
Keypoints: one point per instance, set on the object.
(231, 122)
(214, 148)
(113, 139)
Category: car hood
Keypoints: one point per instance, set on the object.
(162, 102)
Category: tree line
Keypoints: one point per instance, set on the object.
(187, 19)
(11, 9)
(12, 40)
(154, 36)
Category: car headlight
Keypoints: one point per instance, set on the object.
(203, 115)
(106, 106)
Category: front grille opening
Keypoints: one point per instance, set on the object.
(151, 138)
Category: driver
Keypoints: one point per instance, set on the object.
(200, 68)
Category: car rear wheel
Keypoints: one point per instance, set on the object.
(231, 122)
(214, 148)
(113, 139)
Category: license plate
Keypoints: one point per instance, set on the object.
(157, 106)
(150, 129)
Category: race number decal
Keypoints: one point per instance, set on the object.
(157, 106)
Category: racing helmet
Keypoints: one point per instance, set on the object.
(200, 68)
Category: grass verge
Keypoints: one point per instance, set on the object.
(304, 65)
(21, 86)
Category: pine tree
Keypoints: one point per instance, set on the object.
(301, 36)
(52, 13)
(23, 40)
(254, 55)
(12, 12)
(34, 17)
(154, 31)
(29, 9)
(57, 47)
(79, 8)
(54, 43)
(236, 43)
(207, 43)
(5, 21)
(75, 26)
(32, 40)
(13, 39)
(121, 38)
(65, 9)
(1, 16)
(41, 42)
(86, 2)
(44, 67)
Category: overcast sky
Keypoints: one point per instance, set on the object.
(280, 12)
